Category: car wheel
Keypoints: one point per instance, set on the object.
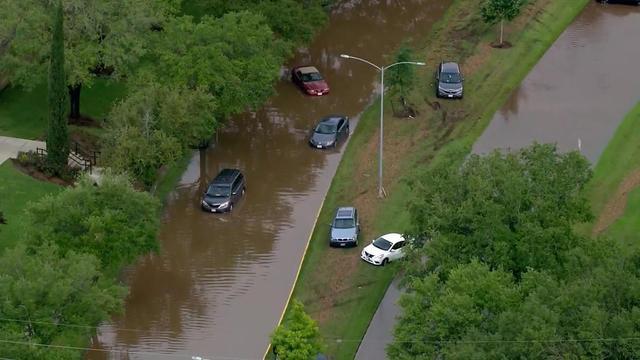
(385, 262)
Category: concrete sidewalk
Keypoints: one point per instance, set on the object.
(9, 147)
(380, 331)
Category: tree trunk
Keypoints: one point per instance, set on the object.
(501, 31)
(74, 98)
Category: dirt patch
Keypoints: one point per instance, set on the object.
(36, 173)
(85, 121)
(504, 45)
(615, 207)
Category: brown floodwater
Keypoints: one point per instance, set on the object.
(220, 282)
(581, 89)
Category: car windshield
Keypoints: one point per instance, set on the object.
(450, 78)
(343, 224)
(382, 244)
(324, 128)
(311, 77)
(219, 190)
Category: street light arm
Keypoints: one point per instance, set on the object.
(361, 59)
(404, 62)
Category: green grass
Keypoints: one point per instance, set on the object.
(486, 90)
(16, 190)
(620, 157)
(23, 114)
(168, 181)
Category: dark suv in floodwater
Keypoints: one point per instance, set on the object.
(449, 81)
(224, 191)
(629, 2)
(345, 227)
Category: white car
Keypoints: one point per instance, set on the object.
(384, 249)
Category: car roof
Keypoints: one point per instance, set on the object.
(393, 237)
(345, 212)
(225, 176)
(450, 67)
(332, 119)
(307, 69)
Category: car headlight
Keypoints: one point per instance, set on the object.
(205, 203)
(224, 205)
(330, 142)
(312, 91)
(378, 257)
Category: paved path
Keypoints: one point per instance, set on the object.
(9, 147)
(380, 331)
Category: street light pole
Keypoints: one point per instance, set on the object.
(381, 69)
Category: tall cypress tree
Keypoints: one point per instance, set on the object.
(58, 134)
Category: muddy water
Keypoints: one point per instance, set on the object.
(220, 283)
(579, 91)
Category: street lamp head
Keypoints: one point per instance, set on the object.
(345, 56)
(421, 63)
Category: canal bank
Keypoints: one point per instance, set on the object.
(219, 283)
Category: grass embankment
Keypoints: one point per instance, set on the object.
(613, 191)
(340, 291)
(16, 190)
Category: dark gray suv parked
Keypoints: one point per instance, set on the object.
(224, 191)
(449, 81)
(345, 227)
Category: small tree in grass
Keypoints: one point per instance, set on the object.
(57, 135)
(2, 219)
(402, 77)
(298, 338)
(494, 11)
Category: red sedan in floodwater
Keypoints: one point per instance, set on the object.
(308, 78)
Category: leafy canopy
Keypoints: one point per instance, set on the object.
(107, 33)
(113, 222)
(479, 313)
(512, 211)
(235, 57)
(298, 338)
(494, 11)
(155, 125)
(402, 77)
(41, 293)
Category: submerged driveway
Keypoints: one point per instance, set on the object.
(220, 282)
(579, 91)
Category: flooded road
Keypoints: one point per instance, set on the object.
(220, 282)
(579, 91)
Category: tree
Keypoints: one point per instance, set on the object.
(494, 11)
(512, 211)
(235, 57)
(402, 77)
(101, 37)
(113, 221)
(298, 338)
(48, 299)
(57, 135)
(155, 125)
(3, 221)
(590, 310)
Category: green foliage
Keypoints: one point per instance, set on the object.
(110, 33)
(494, 11)
(155, 125)
(235, 57)
(113, 221)
(41, 294)
(298, 338)
(58, 134)
(477, 313)
(292, 20)
(402, 77)
(514, 211)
